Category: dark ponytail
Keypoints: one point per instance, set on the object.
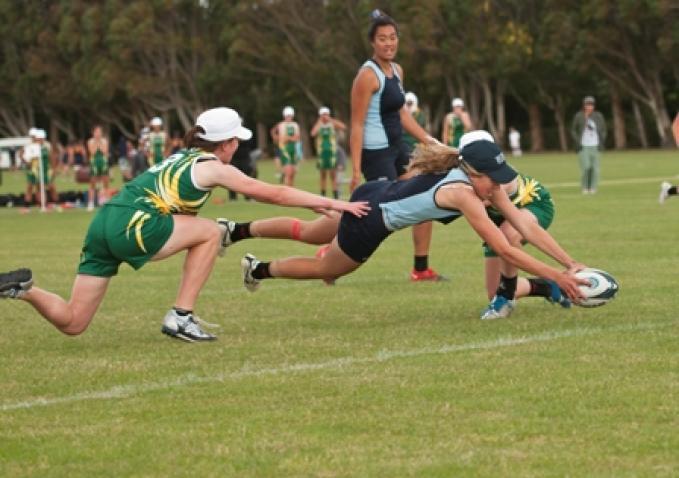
(380, 19)
(192, 140)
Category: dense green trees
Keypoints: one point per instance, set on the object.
(67, 64)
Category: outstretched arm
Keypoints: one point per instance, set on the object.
(466, 201)
(213, 173)
(533, 232)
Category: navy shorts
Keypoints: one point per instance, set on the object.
(388, 163)
(360, 237)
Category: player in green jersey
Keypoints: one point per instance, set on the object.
(325, 132)
(38, 158)
(154, 217)
(157, 142)
(455, 124)
(289, 145)
(97, 148)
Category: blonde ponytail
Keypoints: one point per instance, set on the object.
(434, 158)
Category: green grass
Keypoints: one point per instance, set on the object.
(373, 377)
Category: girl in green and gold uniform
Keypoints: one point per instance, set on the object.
(325, 132)
(157, 142)
(289, 145)
(455, 124)
(154, 217)
(97, 147)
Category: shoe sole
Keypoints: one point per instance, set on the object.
(245, 265)
(17, 284)
(175, 334)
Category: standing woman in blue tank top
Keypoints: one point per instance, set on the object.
(378, 118)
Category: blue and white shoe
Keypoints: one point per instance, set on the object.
(557, 296)
(499, 308)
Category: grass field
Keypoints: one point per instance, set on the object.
(373, 377)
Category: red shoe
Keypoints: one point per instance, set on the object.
(428, 275)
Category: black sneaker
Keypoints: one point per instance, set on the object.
(185, 327)
(14, 284)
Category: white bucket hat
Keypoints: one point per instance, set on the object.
(156, 121)
(458, 102)
(221, 124)
(32, 132)
(40, 134)
(288, 111)
(324, 110)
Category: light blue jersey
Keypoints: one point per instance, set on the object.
(414, 200)
(383, 121)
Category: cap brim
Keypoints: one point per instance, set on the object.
(243, 134)
(502, 175)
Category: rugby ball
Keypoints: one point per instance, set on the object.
(602, 287)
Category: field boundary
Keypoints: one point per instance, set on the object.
(127, 391)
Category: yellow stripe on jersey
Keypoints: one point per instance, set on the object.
(137, 221)
(168, 200)
(527, 191)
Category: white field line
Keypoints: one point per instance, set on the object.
(126, 391)
(611, 182)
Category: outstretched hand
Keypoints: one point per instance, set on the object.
(568, 283)
(357, 208)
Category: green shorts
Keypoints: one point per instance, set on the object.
(289, 155)
(327, 160)
(33, 178)
(98, 167)
(543, 210)
(123, 234)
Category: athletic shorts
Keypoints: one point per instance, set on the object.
(289, 155)
(98, 167)
(33, 178)
(123, 234)
(327, 160)
(360, 237)
(543, 210)
(388, 163)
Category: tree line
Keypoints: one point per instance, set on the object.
(69, 64)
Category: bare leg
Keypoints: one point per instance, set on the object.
(289, 172)
(324, 174)
(332, 265)
(202, 238)
(333, 179)
(319, 231)
(104, 189)
(422, 238)
(492, 275)
(72, 317)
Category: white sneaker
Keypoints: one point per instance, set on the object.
(227, 227)
(185, 327)
(248, 265)
(664, 188)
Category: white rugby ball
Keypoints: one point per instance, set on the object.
(602, 287)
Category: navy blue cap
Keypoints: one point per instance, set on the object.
(487, 158)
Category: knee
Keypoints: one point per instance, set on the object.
(75, 328)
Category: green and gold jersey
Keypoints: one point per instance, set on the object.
(529, 192)
(168, 187)
(326, 140)
(418, 116)
(156, 146)
(456, 130)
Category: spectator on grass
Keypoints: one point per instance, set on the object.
(589, 134)
(412, 105)
(515, 142)
(325, 131)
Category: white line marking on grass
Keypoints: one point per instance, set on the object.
(126, 391)
(610, 182)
